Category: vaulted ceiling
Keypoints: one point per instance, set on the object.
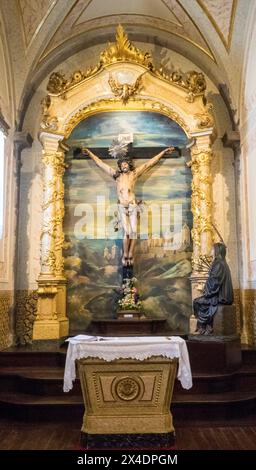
(85, 15)
(41, 33)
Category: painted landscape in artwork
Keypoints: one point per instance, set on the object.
(93, 243)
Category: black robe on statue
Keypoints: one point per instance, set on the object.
(218, 290)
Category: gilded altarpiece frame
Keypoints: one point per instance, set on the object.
(124, 79)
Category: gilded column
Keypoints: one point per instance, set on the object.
(59, 237)
(195, 208)
(48, 259)
(51, 321)
(203, 159)
(201, 206)
(59, 213)
(203, 232)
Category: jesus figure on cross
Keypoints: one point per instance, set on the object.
(125, 177)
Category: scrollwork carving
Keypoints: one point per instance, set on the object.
(57, 83)
(48, 122)
(206, 179)
(59, 265)
(195, 82)
(201, 204)
(201, 155)
(114, 104)
(49, 259)
(124, 51)
(55, 160)
(192, 82)
(52, 230)
(205, 119)
(52, 198)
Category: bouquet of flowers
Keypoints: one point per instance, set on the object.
(130, 299)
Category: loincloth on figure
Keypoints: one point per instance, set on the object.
(128, 217)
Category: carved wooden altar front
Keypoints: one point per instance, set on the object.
(124, 79)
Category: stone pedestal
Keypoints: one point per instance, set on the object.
(214, 354)
(224, 322)
(127, 397)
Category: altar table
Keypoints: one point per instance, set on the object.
(127, 382)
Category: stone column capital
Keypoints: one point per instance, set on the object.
(50, 141)
(231, 139)
(203, 139)
(22, 140)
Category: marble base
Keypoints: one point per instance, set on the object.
(128, 441)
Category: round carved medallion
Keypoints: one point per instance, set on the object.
(127, 388)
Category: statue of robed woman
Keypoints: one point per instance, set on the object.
(218, 290)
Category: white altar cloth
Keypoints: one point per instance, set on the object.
(132, 347)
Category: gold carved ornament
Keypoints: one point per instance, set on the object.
(59, 265)
(200, 157)
(205, 119)
(49, 260)
(48, 123)
(50, 184)
(124, 90)
(55, 160)
(133, 104)
(202, 263)
(60, 242)
(49, 228)
(52, 226)
(51, 200)
(124, 51)
(201, 202)
(127, 388)
(195, 203)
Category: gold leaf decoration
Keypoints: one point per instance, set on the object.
(125, 90)
(124, 50)
(113, 104)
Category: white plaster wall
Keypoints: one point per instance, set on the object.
(29, 218)
(7, 244)
(4, 95)
(223, 170)
(248, 157)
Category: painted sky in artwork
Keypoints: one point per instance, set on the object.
(149, 130)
